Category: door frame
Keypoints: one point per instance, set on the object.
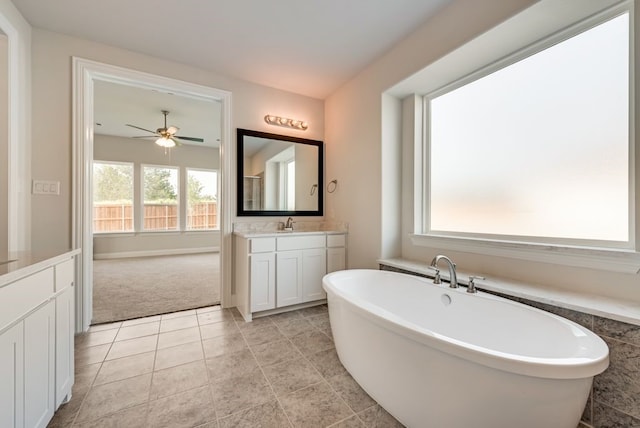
(85, 73)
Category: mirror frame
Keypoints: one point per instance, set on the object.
(241, 212)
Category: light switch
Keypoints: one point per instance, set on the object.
(42, 187)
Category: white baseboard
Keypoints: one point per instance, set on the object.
(148, 253)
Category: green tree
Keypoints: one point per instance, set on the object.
(195, 189)
(158, 186)
(112, 182)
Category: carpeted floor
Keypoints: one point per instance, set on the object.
(139, 287)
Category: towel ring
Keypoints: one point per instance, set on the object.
(332, 186)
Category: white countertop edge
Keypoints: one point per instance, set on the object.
(601, 306)
(284, 234)
(30, 269)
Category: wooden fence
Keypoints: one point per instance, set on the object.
(119, 217)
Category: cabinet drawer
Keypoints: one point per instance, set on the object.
(262, 245)
(64, 275)
(301, 242)
(20, 297)
(336, 240)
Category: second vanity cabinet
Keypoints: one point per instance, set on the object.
(279, 271)
(36, 344)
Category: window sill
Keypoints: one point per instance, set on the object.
(624, 311)
(623, 261)
(110, 234)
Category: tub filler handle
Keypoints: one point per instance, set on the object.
(436, 276)
(471, 288)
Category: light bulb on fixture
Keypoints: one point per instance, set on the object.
(283, 121)
(165, 142)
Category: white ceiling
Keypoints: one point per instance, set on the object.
(117, 105)
(303, 46)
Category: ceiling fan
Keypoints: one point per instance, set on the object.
(167, 137)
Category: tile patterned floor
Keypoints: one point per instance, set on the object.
(208, 368)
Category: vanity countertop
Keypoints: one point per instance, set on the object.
(282, 233)
(25, 263)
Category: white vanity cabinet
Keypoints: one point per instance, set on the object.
(262, 273)
(336, 252)
(65, 328)
(39, 364)
(300, 265)
(12, 387)
(276, 271)
(36, 343)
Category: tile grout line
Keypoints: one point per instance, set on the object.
(82, 403)
(264, 374)
(206, 368)
(326, 380)
(104, 360)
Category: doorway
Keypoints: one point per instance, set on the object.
(89, 75)
(155, 218)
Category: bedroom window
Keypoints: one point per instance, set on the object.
(112, 197)
(536, 148)
(160, 198)
(202, 199)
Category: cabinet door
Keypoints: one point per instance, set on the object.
(39, 362)
(336, 259)
(11, 379)
(64, 345)
(289, 278)
(263, 281)
(314, 267)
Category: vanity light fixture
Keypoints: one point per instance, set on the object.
(283, 121)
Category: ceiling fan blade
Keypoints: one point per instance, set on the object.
(145, 136)
(143, 129)
(172, 129)
(198, 140)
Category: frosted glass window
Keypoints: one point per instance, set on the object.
(539, 148)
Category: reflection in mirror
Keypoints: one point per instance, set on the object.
(4, 144)
(278, 174)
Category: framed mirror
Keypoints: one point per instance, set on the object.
(279, 175)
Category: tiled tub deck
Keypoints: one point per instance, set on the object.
(615, 396)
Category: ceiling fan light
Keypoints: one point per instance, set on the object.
(165, 142)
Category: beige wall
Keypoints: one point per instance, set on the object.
(354, 148)
(138, 152)
(52, 117)
(363, 155)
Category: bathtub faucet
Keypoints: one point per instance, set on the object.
(453, 278)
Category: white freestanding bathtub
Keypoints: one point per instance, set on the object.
(434, 356)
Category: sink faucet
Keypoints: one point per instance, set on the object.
(453, 278)
(289, 224)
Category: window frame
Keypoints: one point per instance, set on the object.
(608, 255)
(133, 196)
(186, 199)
